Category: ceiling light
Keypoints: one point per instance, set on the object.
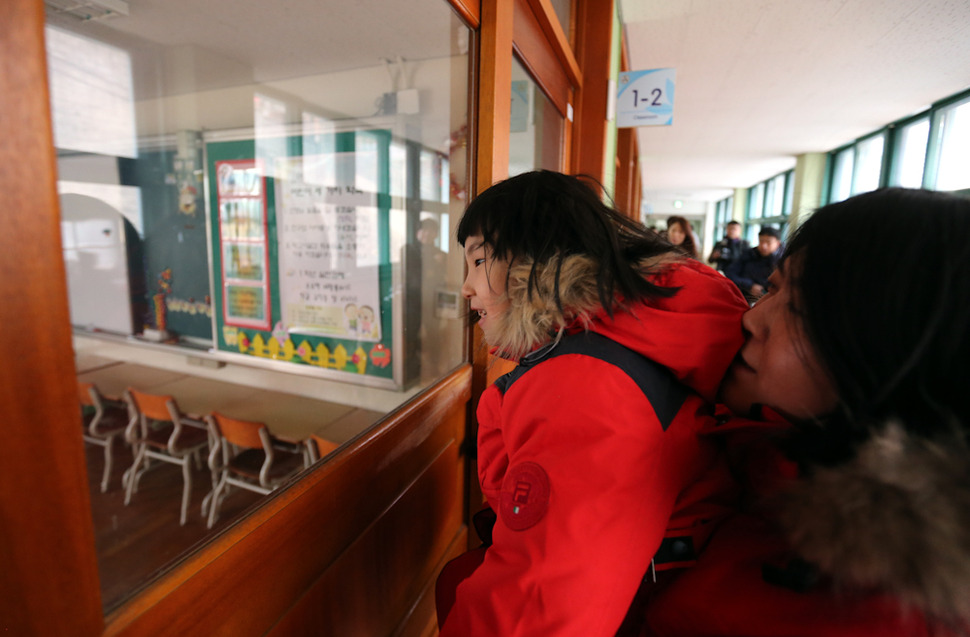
(88, 9)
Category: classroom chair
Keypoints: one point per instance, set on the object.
(246, 455)
(319, 447)
(159, 430)
(104, 421)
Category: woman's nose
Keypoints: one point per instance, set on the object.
(754, 320)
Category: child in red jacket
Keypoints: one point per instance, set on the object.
(588, 452)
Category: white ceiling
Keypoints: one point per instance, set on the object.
(762, 81)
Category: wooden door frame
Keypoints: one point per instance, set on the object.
(48, 571)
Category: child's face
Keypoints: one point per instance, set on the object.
(777, 367)
(484, 287)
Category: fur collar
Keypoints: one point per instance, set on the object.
(895, 518)
(534, 319)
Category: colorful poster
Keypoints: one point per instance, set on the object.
(328, 250)
(242, 240)
(245, 302)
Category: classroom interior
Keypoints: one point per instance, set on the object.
(249, 212)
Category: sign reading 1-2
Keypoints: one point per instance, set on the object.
(645, 98)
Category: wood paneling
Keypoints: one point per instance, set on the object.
(627, 187)
(494, 93)
(48, 571)
(627, 168)
(345, 551)
(469, 10)
(539, 56)
(594, 29)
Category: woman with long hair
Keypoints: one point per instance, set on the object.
(681, 235)
(852, 430)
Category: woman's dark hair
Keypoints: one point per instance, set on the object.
(545, 216)
(883, 282)
(689, 246)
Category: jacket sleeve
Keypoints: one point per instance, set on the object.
(576, 568)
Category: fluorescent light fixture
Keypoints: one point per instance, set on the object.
(88, 9)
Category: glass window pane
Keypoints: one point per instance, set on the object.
(841, 187)
(910, 154)
(311, 169)
(536, 127)
(789, 194)
(756, 201)
(775, 203)
(868, 164)
(563, 9)
(954, 167)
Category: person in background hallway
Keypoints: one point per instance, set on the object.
(587, 452)
(853, 433)
(730, 248)
(434, 272)
(682, 236)
(751, 271)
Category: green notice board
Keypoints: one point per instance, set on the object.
(300, 238)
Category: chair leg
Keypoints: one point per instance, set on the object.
(108, 445)
(131, 476)
(215, 499)
(186, 488)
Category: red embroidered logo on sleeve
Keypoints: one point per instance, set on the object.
(525, 496)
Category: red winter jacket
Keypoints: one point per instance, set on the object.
(870, 548)
(587, 470)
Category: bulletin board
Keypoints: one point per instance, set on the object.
(300, 250)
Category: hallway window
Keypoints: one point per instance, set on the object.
(279, 190)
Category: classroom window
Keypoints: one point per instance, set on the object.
(274, 197)
(535, 127)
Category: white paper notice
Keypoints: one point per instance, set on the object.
(328, 255)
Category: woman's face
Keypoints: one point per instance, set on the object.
(484, 286)
(676, 234)
(777, 367)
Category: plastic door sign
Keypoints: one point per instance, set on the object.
(645, 98)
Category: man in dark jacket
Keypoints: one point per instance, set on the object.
(750, 273)
(729, 249)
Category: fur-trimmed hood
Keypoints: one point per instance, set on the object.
(694, 333)
(895, 517)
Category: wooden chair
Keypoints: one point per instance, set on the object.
(104, 421)
(319, 447)
(158, 430)
(247, 456)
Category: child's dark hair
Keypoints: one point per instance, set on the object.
(883, 289)
(544, 216)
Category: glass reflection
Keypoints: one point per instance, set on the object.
(536, 126)
(257, 218)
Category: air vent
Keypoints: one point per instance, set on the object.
(87, 9)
